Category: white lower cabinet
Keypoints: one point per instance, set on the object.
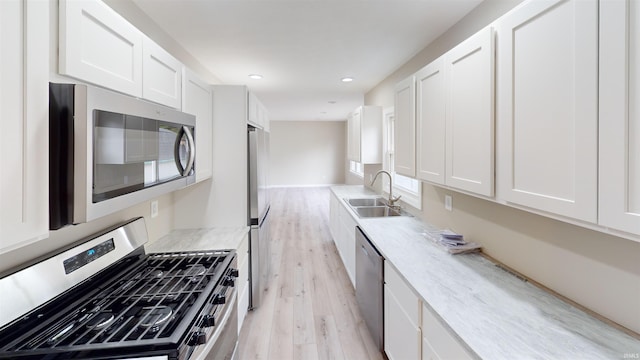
(24, 110)
(411, 329)
(437, 342)
(242, 282)
(402, 339)
(347, 247)
(343, 230)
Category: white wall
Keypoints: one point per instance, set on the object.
(305, 153)
(596, 270)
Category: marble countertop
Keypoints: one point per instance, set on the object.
(199, 239)
(495, 314)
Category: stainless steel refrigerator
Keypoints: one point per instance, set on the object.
(258, 214)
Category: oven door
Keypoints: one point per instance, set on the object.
(221, 344)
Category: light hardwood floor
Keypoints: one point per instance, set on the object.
(309, 310)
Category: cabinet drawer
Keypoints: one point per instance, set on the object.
(405, 296)
(442, 343)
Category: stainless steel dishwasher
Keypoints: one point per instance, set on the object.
(370, 286)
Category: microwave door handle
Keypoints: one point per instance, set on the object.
(192, 150)
(176, 151)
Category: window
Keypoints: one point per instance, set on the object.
(356, 168)
(410, 189)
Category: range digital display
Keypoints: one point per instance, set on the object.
(76, 262)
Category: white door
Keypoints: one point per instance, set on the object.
(405, 127)
(24, 110)
(469, 69)
(547, 107)
(431, 120)
(619, 205)
(99, 46)
(197, 99)
(162, 75)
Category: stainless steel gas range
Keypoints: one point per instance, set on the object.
(105, 298)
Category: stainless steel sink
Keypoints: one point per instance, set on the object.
(367, 202)
(376, 211)
(373, 207)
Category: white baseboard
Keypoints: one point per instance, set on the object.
(302, 186)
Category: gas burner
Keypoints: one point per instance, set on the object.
(153, 317)
(168, 290)
(100, 321)
(194, 273)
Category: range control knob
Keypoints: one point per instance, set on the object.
(218, 299)
(198, 338)
(234, 273)
(208, 321)
(228, 281)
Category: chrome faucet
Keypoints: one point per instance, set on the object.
(392, 200)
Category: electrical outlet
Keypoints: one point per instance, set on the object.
(154, 208)
(448, 202)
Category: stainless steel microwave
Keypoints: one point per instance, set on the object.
(109, 151)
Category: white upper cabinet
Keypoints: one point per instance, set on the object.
(353, 136)
(404, 132)
(455, 117)
(469, 71)
(161, 76)
(24, 110)
(197, 99)
(431, 122)
(99, 46)
(547, 107)
(257, 113)
(619, 150)
(365, 135)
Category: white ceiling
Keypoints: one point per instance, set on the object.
(304, 47)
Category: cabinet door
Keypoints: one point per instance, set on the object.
(334, 219)
(438, 342)
(619, 148)
(197, 99)
(162, 75)
(24, 74)
(430, 117)
(402, 337)
(547, 107)
(348, 243)
(353, 131)
(469, 69)
(404, 137)
(99, 46)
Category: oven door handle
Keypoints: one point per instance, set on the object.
(191, 146)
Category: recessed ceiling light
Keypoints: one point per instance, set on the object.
(332, 101)
(347, 79)
(255, 76)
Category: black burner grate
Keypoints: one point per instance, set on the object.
(152, 301)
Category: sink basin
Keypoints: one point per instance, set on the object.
(367, 202)
(375, 211)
